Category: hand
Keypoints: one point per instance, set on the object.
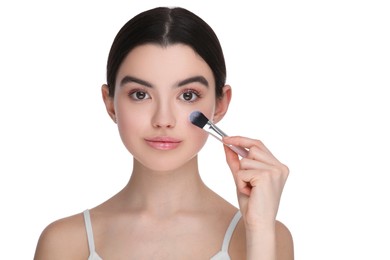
(259, 179)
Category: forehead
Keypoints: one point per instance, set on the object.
(157, 63)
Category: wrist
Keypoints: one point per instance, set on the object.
(261, 242)
(260, 226)
(260, 232)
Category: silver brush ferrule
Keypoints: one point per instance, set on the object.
(215, 131)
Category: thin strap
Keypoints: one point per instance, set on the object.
(88, 227)
(229, 231)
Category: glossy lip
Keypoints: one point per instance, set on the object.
(163, 142)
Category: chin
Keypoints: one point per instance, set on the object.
(167, 163)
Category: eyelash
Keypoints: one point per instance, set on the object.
(134, 91)
(192, 91)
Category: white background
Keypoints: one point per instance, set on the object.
(310, 79)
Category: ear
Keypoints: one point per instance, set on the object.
(222, 103)
(109, 102)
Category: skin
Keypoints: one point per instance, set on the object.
(166, 211)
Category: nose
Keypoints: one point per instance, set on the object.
(164, 116)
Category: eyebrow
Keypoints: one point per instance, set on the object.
(200, 79)
(130, 79)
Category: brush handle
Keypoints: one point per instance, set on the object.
(239, 150)
(218, 133)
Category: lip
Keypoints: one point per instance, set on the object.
(163, 142)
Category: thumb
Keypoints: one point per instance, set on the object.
(232, 160)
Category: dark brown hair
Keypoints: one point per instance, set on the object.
(167, 26)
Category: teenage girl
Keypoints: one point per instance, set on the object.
(164, 64)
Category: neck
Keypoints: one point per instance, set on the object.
(165, 193)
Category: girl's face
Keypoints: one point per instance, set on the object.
(156, 90)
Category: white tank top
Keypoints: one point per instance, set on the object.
(221, 255)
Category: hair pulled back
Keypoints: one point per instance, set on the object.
(167, 26)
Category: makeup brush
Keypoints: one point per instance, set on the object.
(200, 120)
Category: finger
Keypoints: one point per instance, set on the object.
(255, 153)
(232, 160)
(249, 179)
(252, 173)
(257, 150)
(266, 174)
(245, 142)
(251, 164)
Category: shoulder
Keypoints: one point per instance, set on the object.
(284, 242)
(63, 239)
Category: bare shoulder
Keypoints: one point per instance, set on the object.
(284, 242)
(63, 239)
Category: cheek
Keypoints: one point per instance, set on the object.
(129, 120)
(196, 138)
(195, 134)
(126, 112)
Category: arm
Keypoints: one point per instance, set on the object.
(260, 179)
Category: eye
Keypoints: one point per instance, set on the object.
(189, 95)
(139, 95)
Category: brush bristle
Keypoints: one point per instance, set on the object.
(198, 119)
